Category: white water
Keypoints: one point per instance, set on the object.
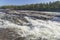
(38, 29)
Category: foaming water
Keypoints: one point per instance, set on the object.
(35, 29)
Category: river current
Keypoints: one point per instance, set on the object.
(35, 29)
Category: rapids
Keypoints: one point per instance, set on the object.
(33, 30)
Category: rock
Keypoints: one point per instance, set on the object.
(7, 34)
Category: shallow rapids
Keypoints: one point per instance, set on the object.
(34, 29)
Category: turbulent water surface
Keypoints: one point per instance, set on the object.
(28, 28)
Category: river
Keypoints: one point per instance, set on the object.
(35, 29)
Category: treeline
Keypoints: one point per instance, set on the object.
(51, 6)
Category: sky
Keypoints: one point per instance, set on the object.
(22, 2)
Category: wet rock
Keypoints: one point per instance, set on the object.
(7, 34)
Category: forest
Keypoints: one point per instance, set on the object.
(51, 6)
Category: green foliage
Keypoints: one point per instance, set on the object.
(51, 6)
